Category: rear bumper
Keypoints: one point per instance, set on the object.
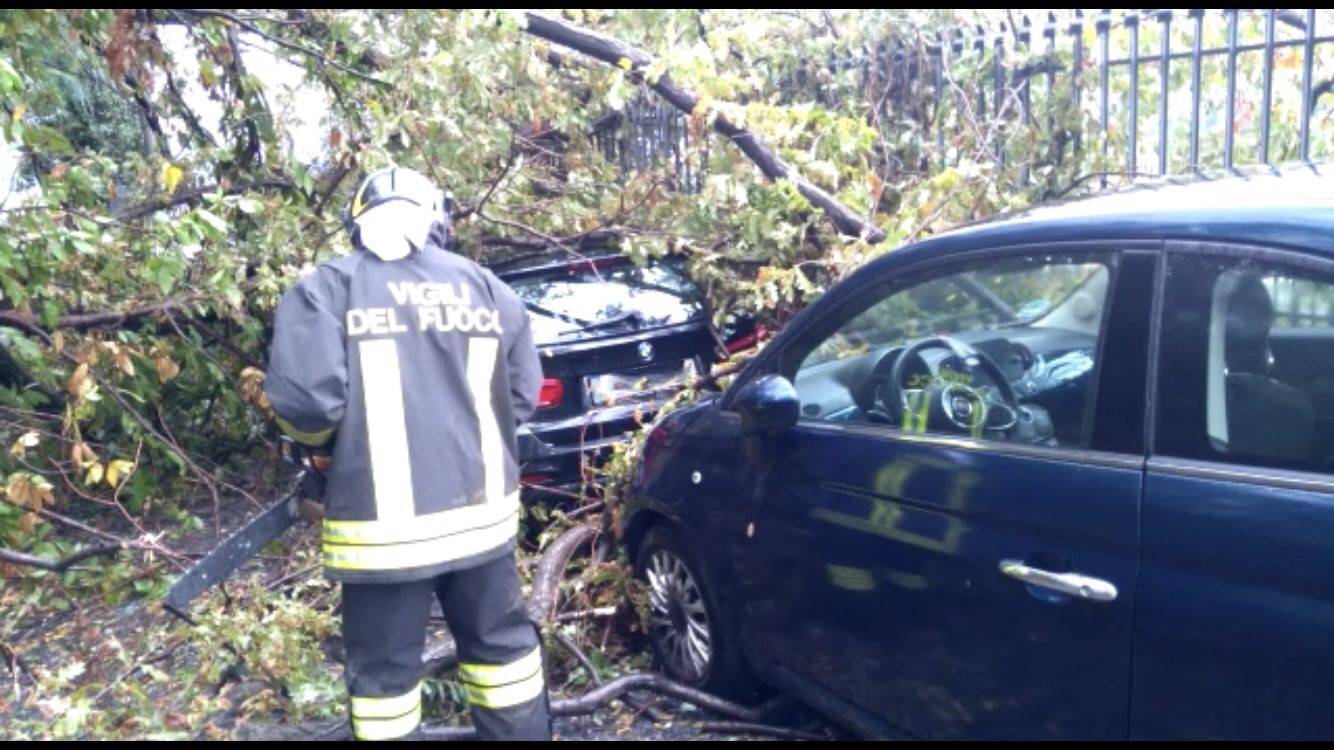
(551, 454)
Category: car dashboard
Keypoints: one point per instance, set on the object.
(1049, 370)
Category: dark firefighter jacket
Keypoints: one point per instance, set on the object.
(419, 370)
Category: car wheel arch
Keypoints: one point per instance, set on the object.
(643, 521)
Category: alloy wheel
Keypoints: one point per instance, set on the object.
(678, 619)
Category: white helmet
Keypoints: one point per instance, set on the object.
(394, 211)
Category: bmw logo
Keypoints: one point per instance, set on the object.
(645, 351)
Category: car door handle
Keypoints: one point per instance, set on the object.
(1074, 584)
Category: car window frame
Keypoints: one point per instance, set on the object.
(770, 359)
(1299, 258)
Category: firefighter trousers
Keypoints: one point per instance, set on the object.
(500, 657)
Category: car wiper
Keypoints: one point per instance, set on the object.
(632, 317)
(534, 307)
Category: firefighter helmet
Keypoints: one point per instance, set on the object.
(416, 208)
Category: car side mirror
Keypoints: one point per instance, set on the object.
(769, 405)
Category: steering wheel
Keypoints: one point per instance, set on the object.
(961, 404)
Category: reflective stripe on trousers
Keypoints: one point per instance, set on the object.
(386, 718)
(503, 685)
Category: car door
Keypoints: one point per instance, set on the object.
(1236, 608)
(962, 583)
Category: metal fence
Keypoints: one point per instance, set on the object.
(913, 83)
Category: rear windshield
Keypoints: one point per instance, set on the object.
(607, 298)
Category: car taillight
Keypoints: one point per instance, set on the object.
(552, 393)
(657, 439)
(746, 342)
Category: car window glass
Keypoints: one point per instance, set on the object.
(1021, 340)
(1247, 363)
(607, 297)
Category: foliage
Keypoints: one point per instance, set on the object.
(175, 170)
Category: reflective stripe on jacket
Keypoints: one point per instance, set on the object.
(419, 370)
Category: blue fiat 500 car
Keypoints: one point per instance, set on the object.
(1065, 474)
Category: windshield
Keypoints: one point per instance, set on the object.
(1025, 292)
(600, 299)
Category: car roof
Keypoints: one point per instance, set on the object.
(1290, 208)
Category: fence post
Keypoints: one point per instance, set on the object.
(1164, 18)
(1077, 31)
(998, 87)
(1132, 147)
(1050, 33)
(1268, 86)
(1307, 104)
(1025, 91)
(980, 47)
(1231, 87)
(1104, 25)
(940, 83)
(1198, 15)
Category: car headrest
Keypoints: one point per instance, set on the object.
(1250, 314)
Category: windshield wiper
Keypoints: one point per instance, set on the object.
(633, 317)
(586, 325)
(534, 307)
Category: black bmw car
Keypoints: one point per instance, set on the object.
(611, 335)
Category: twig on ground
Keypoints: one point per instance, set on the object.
(755, 729)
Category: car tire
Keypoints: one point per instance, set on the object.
(693, 640)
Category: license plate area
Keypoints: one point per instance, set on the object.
(634, 386)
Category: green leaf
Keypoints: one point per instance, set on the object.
(216, 224)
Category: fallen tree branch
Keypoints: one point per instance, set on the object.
(586, 614)
(192, 194)
(656, 683)
(85, 321)
(551, 569)
(314, 54)
(442, 653)
(756, 729)
(607, 692)
(615, 52)
(653, 712)
(63, 564)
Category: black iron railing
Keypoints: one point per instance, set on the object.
(914, 83)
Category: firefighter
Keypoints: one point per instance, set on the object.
(412, 367)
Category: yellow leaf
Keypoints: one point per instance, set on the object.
(26, 440)
(78, 381)
(171, 177)
(19, 489)
(624, 63)
(124, 363)
(166, 369)
(18, 112)
(94, 474)
(117, 470)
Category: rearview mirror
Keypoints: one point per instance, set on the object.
(768, 404)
